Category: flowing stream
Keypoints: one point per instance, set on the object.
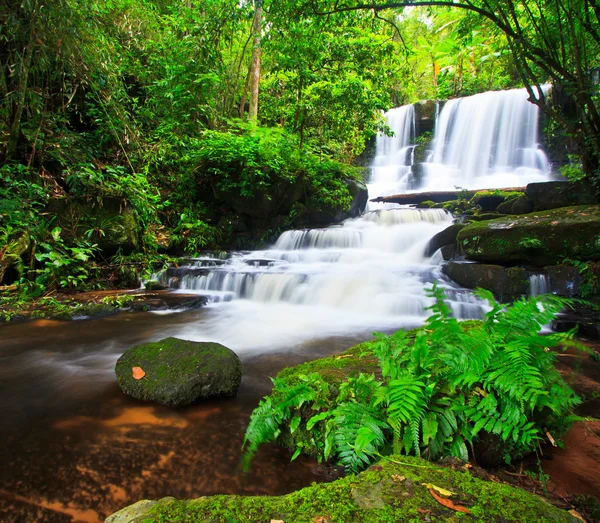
(73, 448)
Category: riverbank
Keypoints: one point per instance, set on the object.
(96, 304)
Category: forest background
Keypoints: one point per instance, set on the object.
(131, 130)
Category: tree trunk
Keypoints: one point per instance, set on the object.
(15, 127)
(21, 88)
(255, 63)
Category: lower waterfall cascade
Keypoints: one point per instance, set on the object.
(369, 273)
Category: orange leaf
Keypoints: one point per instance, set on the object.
(447, 503)
(138, 373)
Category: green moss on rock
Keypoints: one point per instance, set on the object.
(539, 238)
(179, 372)
(394, 491)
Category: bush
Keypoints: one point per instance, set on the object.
(248, 162)
(436, 392)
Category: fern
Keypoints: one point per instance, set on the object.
(441, 389)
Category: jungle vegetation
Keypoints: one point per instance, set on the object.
(145, 109)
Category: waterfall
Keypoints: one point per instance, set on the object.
(487, 140)
(366, 274)
(538, 285)
(391, 170)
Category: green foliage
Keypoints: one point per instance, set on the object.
(263, 162)
(590, 284)
(438, 393)
(63, 265)
(193, 233)
(530, 243)
(572, 172)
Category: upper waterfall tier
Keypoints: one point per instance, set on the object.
(486, 140)
(391, 170)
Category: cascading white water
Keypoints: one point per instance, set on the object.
(391, 170)
(487, 140)
(537, 284)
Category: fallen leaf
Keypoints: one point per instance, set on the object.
(398, 478)
(441, 490)
(321, 519)
(448, 503)
(138, 373)
(577, 515)
(551, 439)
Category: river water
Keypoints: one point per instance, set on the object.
(74, 448)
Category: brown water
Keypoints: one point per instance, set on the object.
(74, 448)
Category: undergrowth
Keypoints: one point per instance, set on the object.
(436, 393)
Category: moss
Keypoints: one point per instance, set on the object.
(427, 204)
(179, 372)
(393, 491)
(540, 238)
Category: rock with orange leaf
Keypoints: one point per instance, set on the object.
(178, 372)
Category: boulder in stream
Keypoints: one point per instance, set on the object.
(178, 372)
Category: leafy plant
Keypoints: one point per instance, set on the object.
(530, 243)
(63, 265)
(590, 284)
(437, 392)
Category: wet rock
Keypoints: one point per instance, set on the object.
(445, 237)
(149, 305)
(537, 239)
(179, 372)
(505, 207)
(522, 205)
(585, 319)
(425, 112)
(154, 286)
(450, 252)
(552, 195)
(502, 281)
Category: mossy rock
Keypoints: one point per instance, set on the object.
(489, 201)
(552, 195)
(427, 204)
(396, 490)
(179, 372)
(539, 238)
(504, 282)
(522, 205)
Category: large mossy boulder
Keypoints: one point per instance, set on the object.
(552, 195)
(539, 238)
(179, 372)
(398, 489)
